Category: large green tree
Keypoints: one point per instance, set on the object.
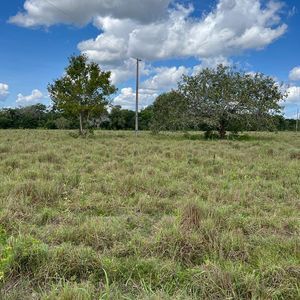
(83, 91)
(169, 112)
(227, 99)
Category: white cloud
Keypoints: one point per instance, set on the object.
(126, 70)
(79, 12)
(165, 78)
(155, 30)
(232, 27)
(110, 47)
(4, 92)
(211, 62)
(35, 97)
(293, 95)
(127, 98)
(295, 74)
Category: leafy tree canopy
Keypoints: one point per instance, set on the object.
(228, 99)
(83, 91)
(169, 112)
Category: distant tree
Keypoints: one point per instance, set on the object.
(62, 123)
(169, 112)
(32, 116)
(226, 99)
(117, 119)
(145, 118)
(103, 120)
(291, 124)
(83, 91)
(6, 118)
(129, 117)
(121, 119)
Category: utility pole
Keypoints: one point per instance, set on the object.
(297, 119)
(137, 97)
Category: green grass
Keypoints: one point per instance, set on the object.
(153, 217)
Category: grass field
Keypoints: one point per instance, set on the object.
(153, 217)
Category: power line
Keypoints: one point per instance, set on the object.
(59, 9)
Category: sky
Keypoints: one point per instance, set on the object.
(172, 37)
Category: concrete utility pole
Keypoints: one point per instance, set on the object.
(137, 97)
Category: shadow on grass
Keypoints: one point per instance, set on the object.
(177, 136)
(99, 134)
(200, 136)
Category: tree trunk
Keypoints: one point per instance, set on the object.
(222, 131)
(80, 123)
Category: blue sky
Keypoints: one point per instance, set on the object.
(172, 37)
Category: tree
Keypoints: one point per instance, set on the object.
(7, 118)
(145, 118)
(169, 112)
(62, 123)
(226, 99)
(32, 116)
(121, 119)
(83, 91)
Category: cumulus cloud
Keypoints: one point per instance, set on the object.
(126, 70)
(211, 62)
(293, 95)
(35, 97)
(157, 30)
(232, 27)
(164, 79)
(4, 92)
(127, 98)
(78, 12)
(295, 74)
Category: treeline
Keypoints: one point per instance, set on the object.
(40, 116)
(217, 101)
